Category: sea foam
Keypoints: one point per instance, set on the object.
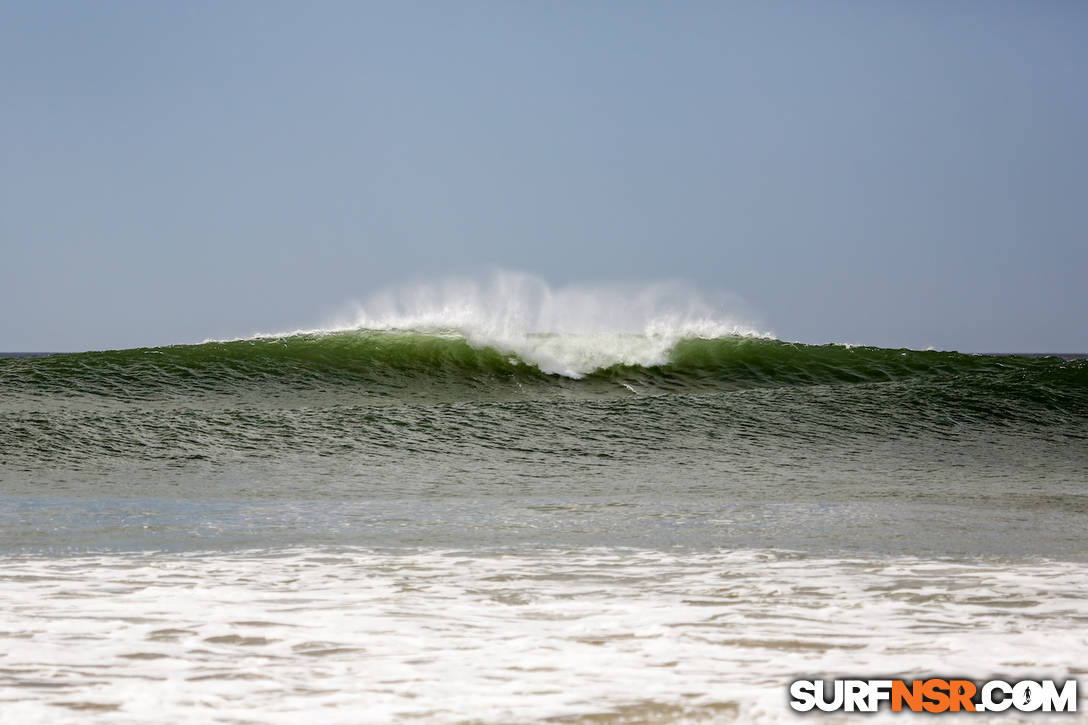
(445, 636)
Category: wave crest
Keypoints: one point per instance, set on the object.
(570, 330)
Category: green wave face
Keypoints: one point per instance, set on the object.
(396, 365)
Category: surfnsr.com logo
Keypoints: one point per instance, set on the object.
(934, 695)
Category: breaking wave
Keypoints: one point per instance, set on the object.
(446, 364)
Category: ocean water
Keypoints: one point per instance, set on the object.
(423, 523)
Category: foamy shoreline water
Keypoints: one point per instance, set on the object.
(594, 635)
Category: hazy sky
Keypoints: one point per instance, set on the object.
(901, 174)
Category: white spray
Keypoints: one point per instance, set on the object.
(570, 330)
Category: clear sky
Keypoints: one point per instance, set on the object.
(890, 173)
